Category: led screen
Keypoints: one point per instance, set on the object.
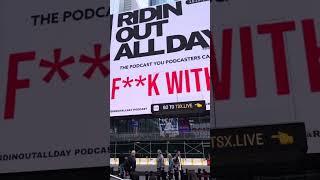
(160, 54)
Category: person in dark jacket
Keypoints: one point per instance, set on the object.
(171, 166)
(121, 165)
(152, 176)
(177, 165)
(126, 166)
(133, 163)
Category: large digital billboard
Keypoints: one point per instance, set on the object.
(160, 54)
(53, 85)
(267, 68)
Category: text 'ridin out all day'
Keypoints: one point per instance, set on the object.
(129, 28)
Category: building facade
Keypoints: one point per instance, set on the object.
(156, 2)
(127, 5)
(118, 6)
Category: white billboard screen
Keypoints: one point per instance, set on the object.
(159, 54)
(267, 68)
(53, 85)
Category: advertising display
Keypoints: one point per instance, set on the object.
(169, 127)
(266, 68)
(54, 85)
(184, 125)
(261, 149)
(185, 108)
(160, 54)
(267, 139)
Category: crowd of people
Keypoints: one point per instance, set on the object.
(174, 167)
(127, 166)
